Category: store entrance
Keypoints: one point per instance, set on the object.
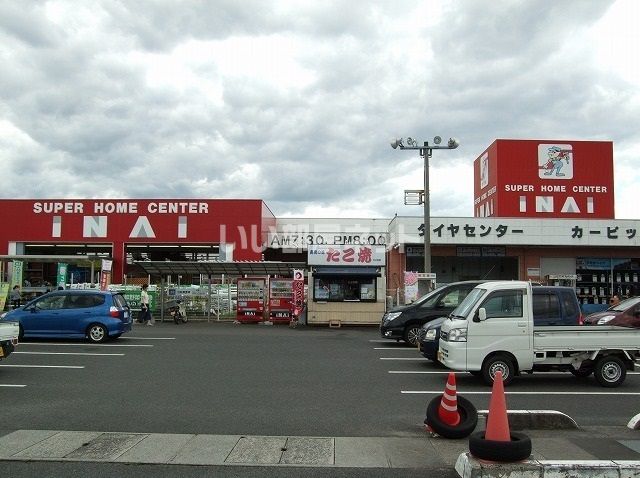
(452, 269)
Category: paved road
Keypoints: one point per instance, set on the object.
(117, 470)
(224, 379)
(259, 380)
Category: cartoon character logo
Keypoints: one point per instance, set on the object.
(484, 170)
(555, 161)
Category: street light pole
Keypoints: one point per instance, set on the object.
(425, 153)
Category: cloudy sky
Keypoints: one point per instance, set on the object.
(295, 102)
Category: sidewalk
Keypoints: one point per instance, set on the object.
(594, 443)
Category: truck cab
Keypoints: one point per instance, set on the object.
(9, 332)
(504, 324)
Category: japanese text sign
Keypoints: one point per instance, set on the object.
(354, 255)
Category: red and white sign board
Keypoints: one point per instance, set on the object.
(545, 178)
(346, 255)
(298, 292)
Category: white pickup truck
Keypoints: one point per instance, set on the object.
(492, 329)
(9, 332)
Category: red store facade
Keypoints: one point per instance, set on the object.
(133, 229)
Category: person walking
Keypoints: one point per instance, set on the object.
(15, 296)
(144, 304)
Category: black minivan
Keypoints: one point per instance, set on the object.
(405, 322)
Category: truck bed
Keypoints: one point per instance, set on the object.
(585, 338)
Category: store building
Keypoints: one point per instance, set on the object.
(543, 211)
(130, 230)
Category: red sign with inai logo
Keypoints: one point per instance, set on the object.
(545, 178)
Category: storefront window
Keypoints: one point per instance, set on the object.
(339, 289)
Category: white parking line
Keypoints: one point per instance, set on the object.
(380, 341)
(488, 392)
(422, 371)
(7, 385)
(78, 344)
(402, 358)
(447, 371)
(44, 366)
(147, 338)
(66, 353)
(401, 349)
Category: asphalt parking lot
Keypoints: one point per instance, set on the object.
(251, 379)
(221, 379)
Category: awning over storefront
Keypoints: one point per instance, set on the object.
(55, 258)
(91, 261)
(351, 271)
(250, 268)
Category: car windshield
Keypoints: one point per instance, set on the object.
(429, 298)
(625, 304)
(462, 311)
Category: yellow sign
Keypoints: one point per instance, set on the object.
(4, 293)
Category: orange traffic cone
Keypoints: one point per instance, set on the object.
(448, 410)
(497, 420)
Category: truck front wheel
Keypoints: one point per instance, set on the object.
(610, 371)
(497, 363)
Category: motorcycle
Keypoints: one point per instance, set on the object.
(177, 311)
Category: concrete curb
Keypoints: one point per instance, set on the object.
(634, 423)
(537, 420)
(468, 466)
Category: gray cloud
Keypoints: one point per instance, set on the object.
(87, 113)
(27, 23)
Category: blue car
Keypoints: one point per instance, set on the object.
(430, 338)
(92, 314)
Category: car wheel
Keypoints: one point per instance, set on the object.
(412, 334)
(497, 363)
(610, 371)
(20, 332)
(97, 333)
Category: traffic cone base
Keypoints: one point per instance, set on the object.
(497, 419)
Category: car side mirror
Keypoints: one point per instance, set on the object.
(480, 315)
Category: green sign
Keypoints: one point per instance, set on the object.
(62, 274)
(16, 275)
(132, 294)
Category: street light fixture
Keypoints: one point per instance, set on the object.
(425, 152)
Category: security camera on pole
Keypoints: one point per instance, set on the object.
(422, 197)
